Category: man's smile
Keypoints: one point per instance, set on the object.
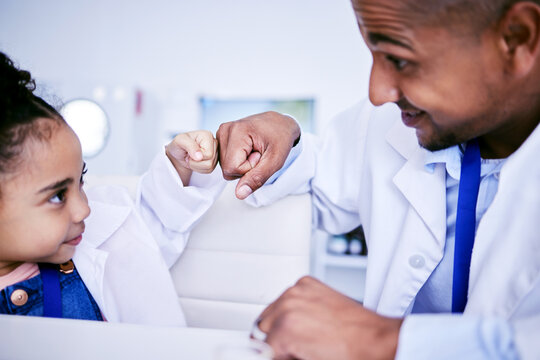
(412, 117)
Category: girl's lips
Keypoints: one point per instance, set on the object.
(75, 241)
(411, 118)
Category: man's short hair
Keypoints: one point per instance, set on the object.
(479, 14)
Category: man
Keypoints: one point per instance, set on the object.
(465, 76)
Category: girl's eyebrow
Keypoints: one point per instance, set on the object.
(57, 185)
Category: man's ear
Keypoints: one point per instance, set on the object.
(520, 37)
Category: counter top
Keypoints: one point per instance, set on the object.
(26, 337)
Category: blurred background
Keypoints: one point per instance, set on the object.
(161, 67)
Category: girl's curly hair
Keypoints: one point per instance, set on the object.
(19, 111)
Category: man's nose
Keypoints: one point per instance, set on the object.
(382, 85)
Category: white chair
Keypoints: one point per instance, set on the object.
(239, 258)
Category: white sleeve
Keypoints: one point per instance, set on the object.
(527, 333)
(330, 170)
(448, 336)
(170, 209)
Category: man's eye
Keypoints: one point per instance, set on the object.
(398, 63)
(59, 197)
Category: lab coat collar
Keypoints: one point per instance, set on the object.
(451, 158)
(91, 265)
(401, 140)
(425, 190)
(103, 221)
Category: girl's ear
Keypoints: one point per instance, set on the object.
(519, 38)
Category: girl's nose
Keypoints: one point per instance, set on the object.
(81, 210)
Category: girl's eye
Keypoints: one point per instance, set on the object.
(59, 197)
(398, 63)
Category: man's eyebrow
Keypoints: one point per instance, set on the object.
(375, 38)
(57, 185)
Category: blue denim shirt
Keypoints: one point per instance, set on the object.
(77, 302)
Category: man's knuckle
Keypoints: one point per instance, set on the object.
(292, 293)
(288, 294)
(228, 170)
(229, 173)
(289, 319)
(304, 280)
(222, 129)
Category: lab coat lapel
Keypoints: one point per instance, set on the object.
(420, 246)
(90, 263)
(90, 260)
(425, 191)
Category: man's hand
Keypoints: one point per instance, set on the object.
(193, 151)
(311, 321)
(254, 148)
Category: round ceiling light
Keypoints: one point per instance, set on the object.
(89, 122)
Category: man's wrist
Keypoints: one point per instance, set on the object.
(297, 132)
(390, 338)
(383, 339)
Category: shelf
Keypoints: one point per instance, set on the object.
(348, 261)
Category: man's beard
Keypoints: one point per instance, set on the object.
(445, 138)
(443, 142)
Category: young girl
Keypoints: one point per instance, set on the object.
(95, 256)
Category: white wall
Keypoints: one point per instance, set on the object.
(175, 51)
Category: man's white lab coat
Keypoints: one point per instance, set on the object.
(370, 170)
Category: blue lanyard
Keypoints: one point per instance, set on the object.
(52, 295)
(469, 184)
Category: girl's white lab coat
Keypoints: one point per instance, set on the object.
(128, 246)
(370, 171)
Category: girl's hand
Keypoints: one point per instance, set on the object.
(193, 151)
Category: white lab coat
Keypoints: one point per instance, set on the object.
(128, 246)
(370, 171)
